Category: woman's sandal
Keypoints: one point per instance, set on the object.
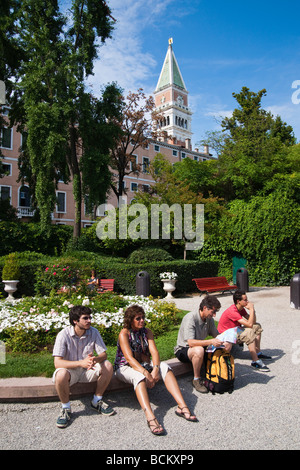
(154, 427)
(184, 414)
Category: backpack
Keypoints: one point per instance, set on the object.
(219, 372)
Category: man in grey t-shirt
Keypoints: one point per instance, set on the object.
(191, 340)
(75, 361)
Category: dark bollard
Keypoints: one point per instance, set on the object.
(143, 283)
(242, 279)
(295, 291)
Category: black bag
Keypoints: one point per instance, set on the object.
(219, 372)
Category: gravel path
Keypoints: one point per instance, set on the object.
(262, 412)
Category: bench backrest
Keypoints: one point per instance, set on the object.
(107, 284)
(211, 281)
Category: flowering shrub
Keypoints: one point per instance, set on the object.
(32, 323)
(54, 278)
(168, 276)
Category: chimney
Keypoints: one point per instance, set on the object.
(206, 149)
(188, 144)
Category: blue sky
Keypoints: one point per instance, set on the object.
(219, 46)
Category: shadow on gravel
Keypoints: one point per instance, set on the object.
(245, 374)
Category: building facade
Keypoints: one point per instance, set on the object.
(171, 100)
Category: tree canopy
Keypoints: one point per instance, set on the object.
(136, 126)
(255, 149)
(69, 131)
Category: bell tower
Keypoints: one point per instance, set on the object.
(171, 101)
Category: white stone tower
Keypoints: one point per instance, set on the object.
(171, 100)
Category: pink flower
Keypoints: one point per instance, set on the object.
(46, 269)
(54, 274)
(64, 269)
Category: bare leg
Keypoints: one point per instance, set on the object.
(252, 350)
(104, 377)
(257, 343)
(173, 388)
(196, 355)
(62, 385)
(143, 398)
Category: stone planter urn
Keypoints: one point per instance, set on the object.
(169, 287)
(11, 272)
(10, 288)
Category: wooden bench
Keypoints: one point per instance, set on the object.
(214, 284)
(106, 285)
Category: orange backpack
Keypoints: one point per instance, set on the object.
(219, 372)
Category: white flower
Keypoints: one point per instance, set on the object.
(168, 276)
(34, 314)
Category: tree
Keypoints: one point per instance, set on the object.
(171, 189)
(255, 150)
(10, 53)
(7, 211)
(51, 103)
(265, 231)
(200, 175)
(136, 126)
(215, 140)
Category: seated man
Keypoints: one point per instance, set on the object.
(236, 315)
(74, 362)
(191, 342)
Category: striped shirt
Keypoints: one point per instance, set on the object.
(71, 347)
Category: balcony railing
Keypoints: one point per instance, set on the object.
(25, 212)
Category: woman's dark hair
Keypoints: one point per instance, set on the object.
(210, 302)
(76, 312)
(130, 313)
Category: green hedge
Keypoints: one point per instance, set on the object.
(125, 274)
(264, 231)
(29, 263)
(17, 236)
(32, 264)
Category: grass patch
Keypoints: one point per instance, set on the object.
(41, 364)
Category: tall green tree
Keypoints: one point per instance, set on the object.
(200, 175)
(171, 188)
(10, 53)
(67, 134)
(255, 150)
